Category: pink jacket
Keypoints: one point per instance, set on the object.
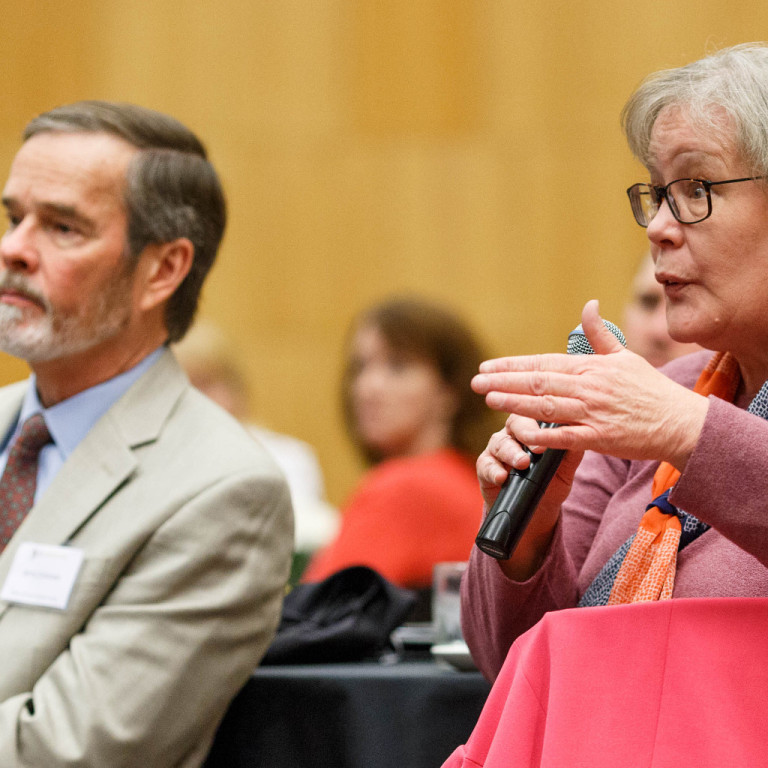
(663, 685)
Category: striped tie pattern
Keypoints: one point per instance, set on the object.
(17, 485)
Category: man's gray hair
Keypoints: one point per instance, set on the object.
(172, 190)
(725, 93)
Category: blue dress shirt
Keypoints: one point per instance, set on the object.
(70, 420)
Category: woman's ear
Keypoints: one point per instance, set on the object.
(162, 268)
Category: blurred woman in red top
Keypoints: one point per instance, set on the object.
(409, 408)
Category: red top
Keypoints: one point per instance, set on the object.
(406, 515)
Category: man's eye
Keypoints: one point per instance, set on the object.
(64, 231)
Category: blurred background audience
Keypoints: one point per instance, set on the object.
(645, 319)
(215, 368)
(410, 411)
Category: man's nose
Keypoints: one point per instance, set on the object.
(17, 247)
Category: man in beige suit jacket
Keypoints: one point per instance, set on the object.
(178, 524)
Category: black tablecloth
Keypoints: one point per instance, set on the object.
(363, 715)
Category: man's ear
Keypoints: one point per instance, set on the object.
(162, 268)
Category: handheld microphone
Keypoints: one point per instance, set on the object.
(522, 490)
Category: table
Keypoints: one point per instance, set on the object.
(410, 714)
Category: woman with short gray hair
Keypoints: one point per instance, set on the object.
(662, 491)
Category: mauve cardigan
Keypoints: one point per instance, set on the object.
(725, 484)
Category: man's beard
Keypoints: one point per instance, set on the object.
(24, 333)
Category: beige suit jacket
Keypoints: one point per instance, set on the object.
(186, 529)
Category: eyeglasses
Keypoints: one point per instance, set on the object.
(688, 199)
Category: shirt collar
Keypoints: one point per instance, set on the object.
(70, 420)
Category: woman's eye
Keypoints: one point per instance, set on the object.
(698, 192)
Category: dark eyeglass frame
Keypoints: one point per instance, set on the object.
(662, 193)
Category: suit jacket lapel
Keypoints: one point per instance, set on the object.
(11, 398)
(103, 461)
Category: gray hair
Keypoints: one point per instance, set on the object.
(725, 93)
(172, 190)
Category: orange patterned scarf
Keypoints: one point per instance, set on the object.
(648, 569)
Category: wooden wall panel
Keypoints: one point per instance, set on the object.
(466, 149)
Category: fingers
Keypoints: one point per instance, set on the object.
(549, 408)
(543, 395)
(522, 363)
(540, 365)
(503, 452)
(490, 471)
(602, 341)
(536, 383)
(506, 449)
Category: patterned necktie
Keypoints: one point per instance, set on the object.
(17, 485)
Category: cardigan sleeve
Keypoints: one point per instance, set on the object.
(725, 482)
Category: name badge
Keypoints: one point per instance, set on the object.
(42, 574)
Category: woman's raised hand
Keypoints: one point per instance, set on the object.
(613, 402)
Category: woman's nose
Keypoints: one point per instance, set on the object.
(664, 227)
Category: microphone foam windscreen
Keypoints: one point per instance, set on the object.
(578, 344)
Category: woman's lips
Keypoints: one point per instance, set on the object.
(673, 288)
(672, 283)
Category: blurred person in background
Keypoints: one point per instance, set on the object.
(410, 411)
(214, 367)
(645, 319)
